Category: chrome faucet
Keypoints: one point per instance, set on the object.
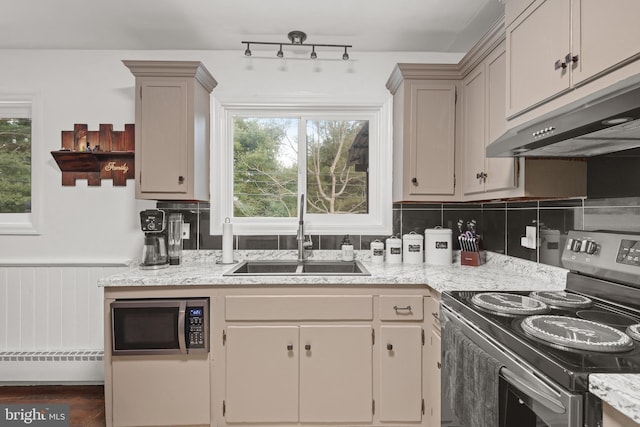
(303, 242)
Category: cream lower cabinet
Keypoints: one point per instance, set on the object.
(433, 364)
(611, 417)
(160, 390)
(307, 374)
(308, 360)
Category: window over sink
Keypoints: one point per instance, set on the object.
(267, 156)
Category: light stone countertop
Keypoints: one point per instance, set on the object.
(499, 273)
(621, 391)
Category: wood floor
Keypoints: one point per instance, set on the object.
(86, 403)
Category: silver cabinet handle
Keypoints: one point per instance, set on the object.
(397, 309)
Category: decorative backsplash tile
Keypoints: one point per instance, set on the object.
(501, 224)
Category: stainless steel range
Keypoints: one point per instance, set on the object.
(546, 344)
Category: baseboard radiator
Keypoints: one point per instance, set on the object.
(51, 323)
(52, 367)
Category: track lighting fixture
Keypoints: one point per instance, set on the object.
(297, 38)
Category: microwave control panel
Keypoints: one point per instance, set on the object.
(195, 327)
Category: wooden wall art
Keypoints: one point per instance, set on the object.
(96, 155)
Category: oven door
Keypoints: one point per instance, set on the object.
(148, 327)
(527, 398)
(525, 404)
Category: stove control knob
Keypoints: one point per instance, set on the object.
(592, 247)
(569, 243)
(577, 244)
(583, 246)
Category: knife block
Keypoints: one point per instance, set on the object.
(472, 258)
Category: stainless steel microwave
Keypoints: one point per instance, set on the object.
(160, 326)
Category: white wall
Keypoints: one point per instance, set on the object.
(88, 224)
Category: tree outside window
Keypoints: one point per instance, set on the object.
(15, 165)
(267, 166)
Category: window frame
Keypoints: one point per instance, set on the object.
(26, 223)
(378, 221)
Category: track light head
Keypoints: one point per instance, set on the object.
(313, 52)
(280, 54)
(248, 51)
(345, 55)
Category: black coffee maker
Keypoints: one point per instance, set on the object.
(154, 250)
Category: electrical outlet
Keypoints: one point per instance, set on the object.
(186, 230)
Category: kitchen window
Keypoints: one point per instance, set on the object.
(17, 177)
(338, 157)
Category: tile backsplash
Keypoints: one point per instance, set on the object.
(501, 224)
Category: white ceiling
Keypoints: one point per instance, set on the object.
(368, 25)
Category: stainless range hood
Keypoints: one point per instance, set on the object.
(601, 123)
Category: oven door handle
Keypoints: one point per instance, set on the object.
(181, 318)
(540, 396)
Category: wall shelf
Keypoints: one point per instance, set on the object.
(112, 158)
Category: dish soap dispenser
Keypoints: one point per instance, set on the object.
(347, 249)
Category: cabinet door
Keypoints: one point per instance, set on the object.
(160, 391)
(262, 374)
(501, 172)
(433, 379)
(432, 138)
(535, 41)
(336, 374)
(605, 33)
(473, 130)
(162, 149)
(401, 373)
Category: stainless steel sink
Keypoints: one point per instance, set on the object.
(298, 268)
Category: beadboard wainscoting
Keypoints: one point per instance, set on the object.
(52, 321)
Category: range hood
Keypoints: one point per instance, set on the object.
(605, 122)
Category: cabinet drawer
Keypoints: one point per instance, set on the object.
(291, 307)
(401, 307)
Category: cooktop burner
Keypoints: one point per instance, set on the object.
(562, 299)
(634, 331)
(572, 333)
(506, 304)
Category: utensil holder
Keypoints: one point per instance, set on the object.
(473, 258)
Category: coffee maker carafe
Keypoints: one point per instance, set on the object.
(154, 250)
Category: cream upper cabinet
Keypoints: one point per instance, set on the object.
(537, 43)
(473, 130)
(605, 34)
(557, 45)
(172, 129)
(424, 121)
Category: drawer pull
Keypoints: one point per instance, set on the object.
(439, 365)
(290, 347)
(389, 347)
(307, 347)
(435, 315)
(406, 309)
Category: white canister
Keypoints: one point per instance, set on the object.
(437, 244)
(412, 248)
(394, 250)
(377, 252)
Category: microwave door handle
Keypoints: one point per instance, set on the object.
(540, 396)
(181, 317)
